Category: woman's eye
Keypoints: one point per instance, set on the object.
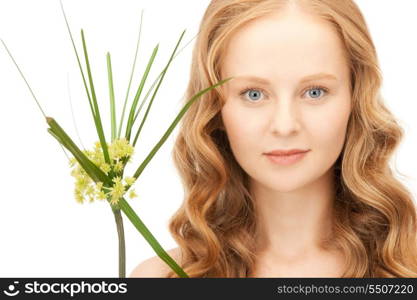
(252, 94)
(316, 91)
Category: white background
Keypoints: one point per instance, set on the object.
(44, 232)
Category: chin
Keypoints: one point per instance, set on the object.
(284, 185)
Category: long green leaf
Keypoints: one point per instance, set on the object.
(172, 126)
(157, 88)
(79, 63)
(97, 120)
(156, 80)
(130, 121)
(92, 170)
(131, 76)
(140, 226)
(21, 73)
(146, 97)
(111, 93)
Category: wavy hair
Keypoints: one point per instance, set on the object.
(215, 227)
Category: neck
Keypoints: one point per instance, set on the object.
(294, 223)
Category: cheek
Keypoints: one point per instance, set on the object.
(330, 134)
(240, 128)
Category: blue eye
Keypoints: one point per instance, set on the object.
(314, 91)
(253, 92)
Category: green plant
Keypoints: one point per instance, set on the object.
(99, 173)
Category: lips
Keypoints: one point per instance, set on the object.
(286, 152)
(286, 157)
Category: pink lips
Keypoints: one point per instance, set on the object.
(286, 157)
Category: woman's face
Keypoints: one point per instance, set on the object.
(300, 98)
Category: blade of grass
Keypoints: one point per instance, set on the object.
(97, 119)
(157, 88)
(28, 85)
(111, 93)
(78, 60)
(33, 95)
(131, 76)
(156, 80)
(140, 226)
(72, 113)
(55, 136)
(92, 170)
(130, 121)
(60, 143)
(146, 97)
(172, 126)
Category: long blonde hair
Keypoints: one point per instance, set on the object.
(215, 227)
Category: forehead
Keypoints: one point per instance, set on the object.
(287, 46)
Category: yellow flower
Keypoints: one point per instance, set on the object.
(85, 187)
(101, 195)
(79, 197)
(130, 180)
(118, 166)
(105, 168)
(82, 182)
(74, 172)
(72, 162)
(89, 190)
(117, 190)
(132, 194)
(120, 148)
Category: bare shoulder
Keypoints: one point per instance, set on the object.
(155, 266)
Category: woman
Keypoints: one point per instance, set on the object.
(305, 76)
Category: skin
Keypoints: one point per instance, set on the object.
(295, 201)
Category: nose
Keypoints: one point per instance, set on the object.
(284, 117)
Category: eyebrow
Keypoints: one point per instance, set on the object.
(304, 79)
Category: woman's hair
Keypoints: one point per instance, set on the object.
(216, 225)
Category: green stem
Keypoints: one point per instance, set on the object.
(122, 249)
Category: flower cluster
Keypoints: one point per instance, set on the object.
(119, 151)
